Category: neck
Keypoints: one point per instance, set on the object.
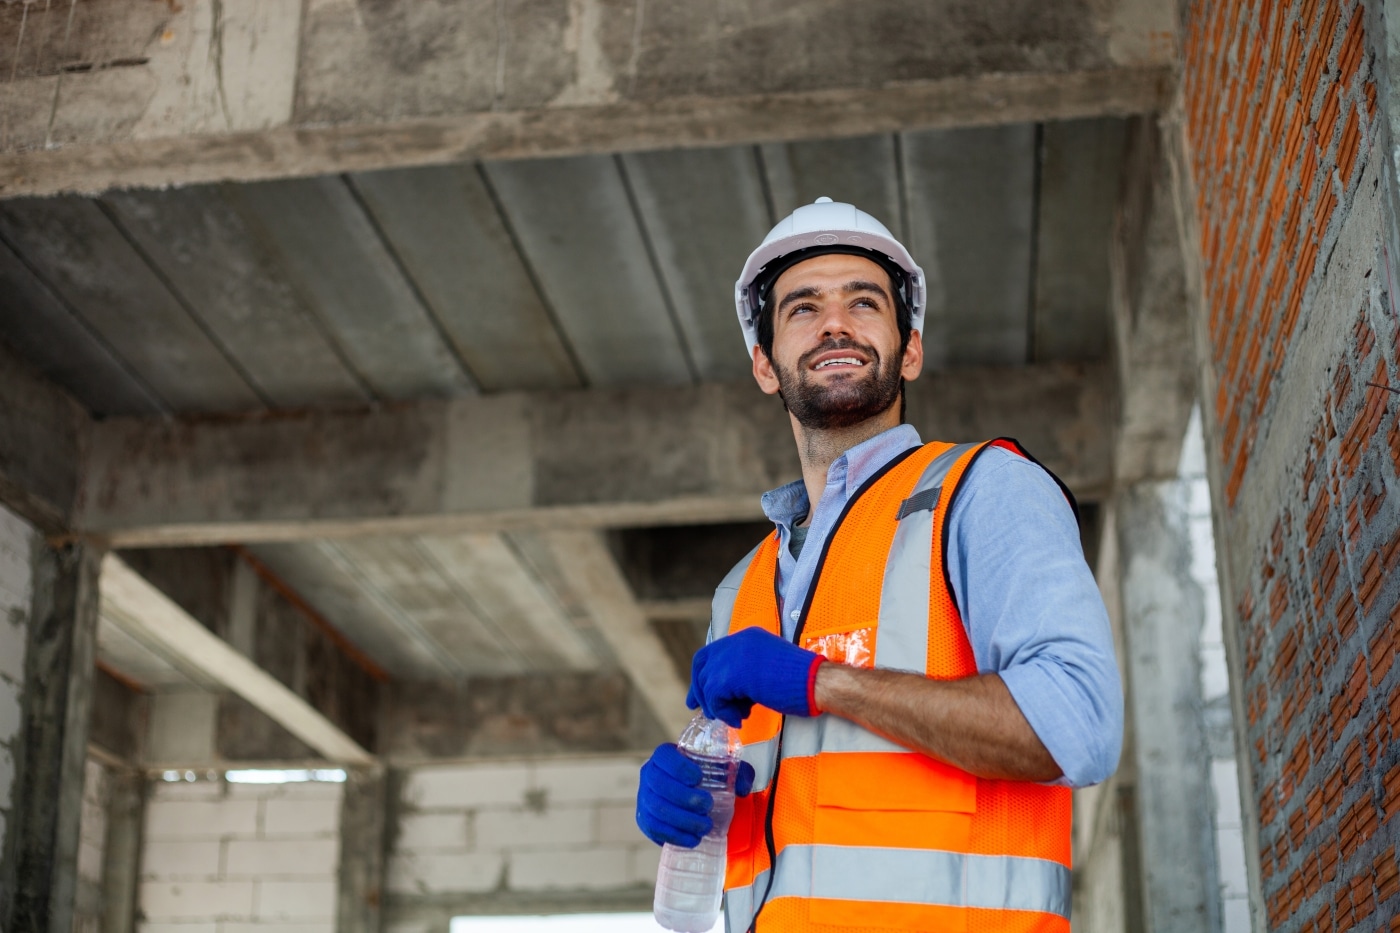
(818, 447)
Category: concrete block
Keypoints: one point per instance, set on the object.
(291, 790)
(268, 858)
(197, 900)
(300, 817)
(13, 636)
(646, 859)
(467, 787)
(199, 819)
(162, 791)
(296, 900)
(617, 823)
(426, 831)
(591, 869)
(444, 872)
(589, 781)
(1229, 845)
(185, 858)
(525, 829)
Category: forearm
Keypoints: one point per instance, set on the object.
(973, 723)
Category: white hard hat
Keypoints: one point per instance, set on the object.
(825, 226)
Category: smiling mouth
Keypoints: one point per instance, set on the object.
(840, 361)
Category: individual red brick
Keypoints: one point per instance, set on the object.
(1391, 794)
(1394, 705)
(1357, 686)
(1393, 439)
(1327, 573)
(1371, 578)
(1353, 48)
(1372, 498)
(1312, 806)
(1364, 336)
(1381, 650)
(1327, 121)
(1332, 793)
(1297, 828)
(1268, 805)
(1390, 551)
(1328, 856)
(1363, 899)
(1353, 520)
(1386, 875)
(1322, 216)
(1349, 147)
(1353, 764)
(1370, 93)
(1346, 616)
(1317, 517)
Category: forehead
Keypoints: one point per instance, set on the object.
(831, 270)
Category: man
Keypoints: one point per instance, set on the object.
(918, 654)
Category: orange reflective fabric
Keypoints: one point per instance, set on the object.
(894, 799)
(756, 606)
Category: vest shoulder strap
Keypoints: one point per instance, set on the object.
(722, 605)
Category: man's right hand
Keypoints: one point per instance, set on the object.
(671, 806)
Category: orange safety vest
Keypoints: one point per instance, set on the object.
(846, 830)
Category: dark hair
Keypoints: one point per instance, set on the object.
(763, 325)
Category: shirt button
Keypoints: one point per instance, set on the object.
(794, 614)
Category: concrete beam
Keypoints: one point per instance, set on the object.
(42, 438)
(139, 94)
(149, 615)
(576, 459)
(39, 871)
(592, 574)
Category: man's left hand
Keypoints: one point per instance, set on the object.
(731, 674)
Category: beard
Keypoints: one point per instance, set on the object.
(843, 402)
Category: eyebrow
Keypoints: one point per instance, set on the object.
(811, 291)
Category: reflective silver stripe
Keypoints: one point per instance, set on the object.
(923, 876)
(738, 904)
(803, 737)
(901, 644)
(762, 755)
(722, 606)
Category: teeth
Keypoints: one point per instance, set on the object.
(844, 359)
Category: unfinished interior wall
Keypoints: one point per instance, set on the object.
(1284, 167)
(16, 548)
(240, 858)
(545, 836)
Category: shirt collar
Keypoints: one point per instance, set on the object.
(788, 504)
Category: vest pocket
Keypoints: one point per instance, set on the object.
(855, 647)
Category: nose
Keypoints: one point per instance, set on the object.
(835, 320)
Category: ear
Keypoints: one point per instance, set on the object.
(763, 372)
(913, 362)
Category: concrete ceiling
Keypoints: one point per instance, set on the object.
(593, 271)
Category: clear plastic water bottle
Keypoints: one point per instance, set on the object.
(690, 882)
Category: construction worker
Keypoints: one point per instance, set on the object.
(917, 657)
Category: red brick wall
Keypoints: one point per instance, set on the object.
(1281, 114)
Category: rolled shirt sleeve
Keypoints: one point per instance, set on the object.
(1033, 611)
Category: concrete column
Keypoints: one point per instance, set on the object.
(362, 822)
(1163, 612)
(121, 864)
(39, 876)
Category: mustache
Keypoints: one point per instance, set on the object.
(843, 343)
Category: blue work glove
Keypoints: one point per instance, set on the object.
(729, 675)
(671, 806)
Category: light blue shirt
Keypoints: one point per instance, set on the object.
(1028, 599)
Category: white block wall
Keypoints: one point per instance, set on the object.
(521, 826)
(240, 858)
(16, 543)
(1215, 687)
